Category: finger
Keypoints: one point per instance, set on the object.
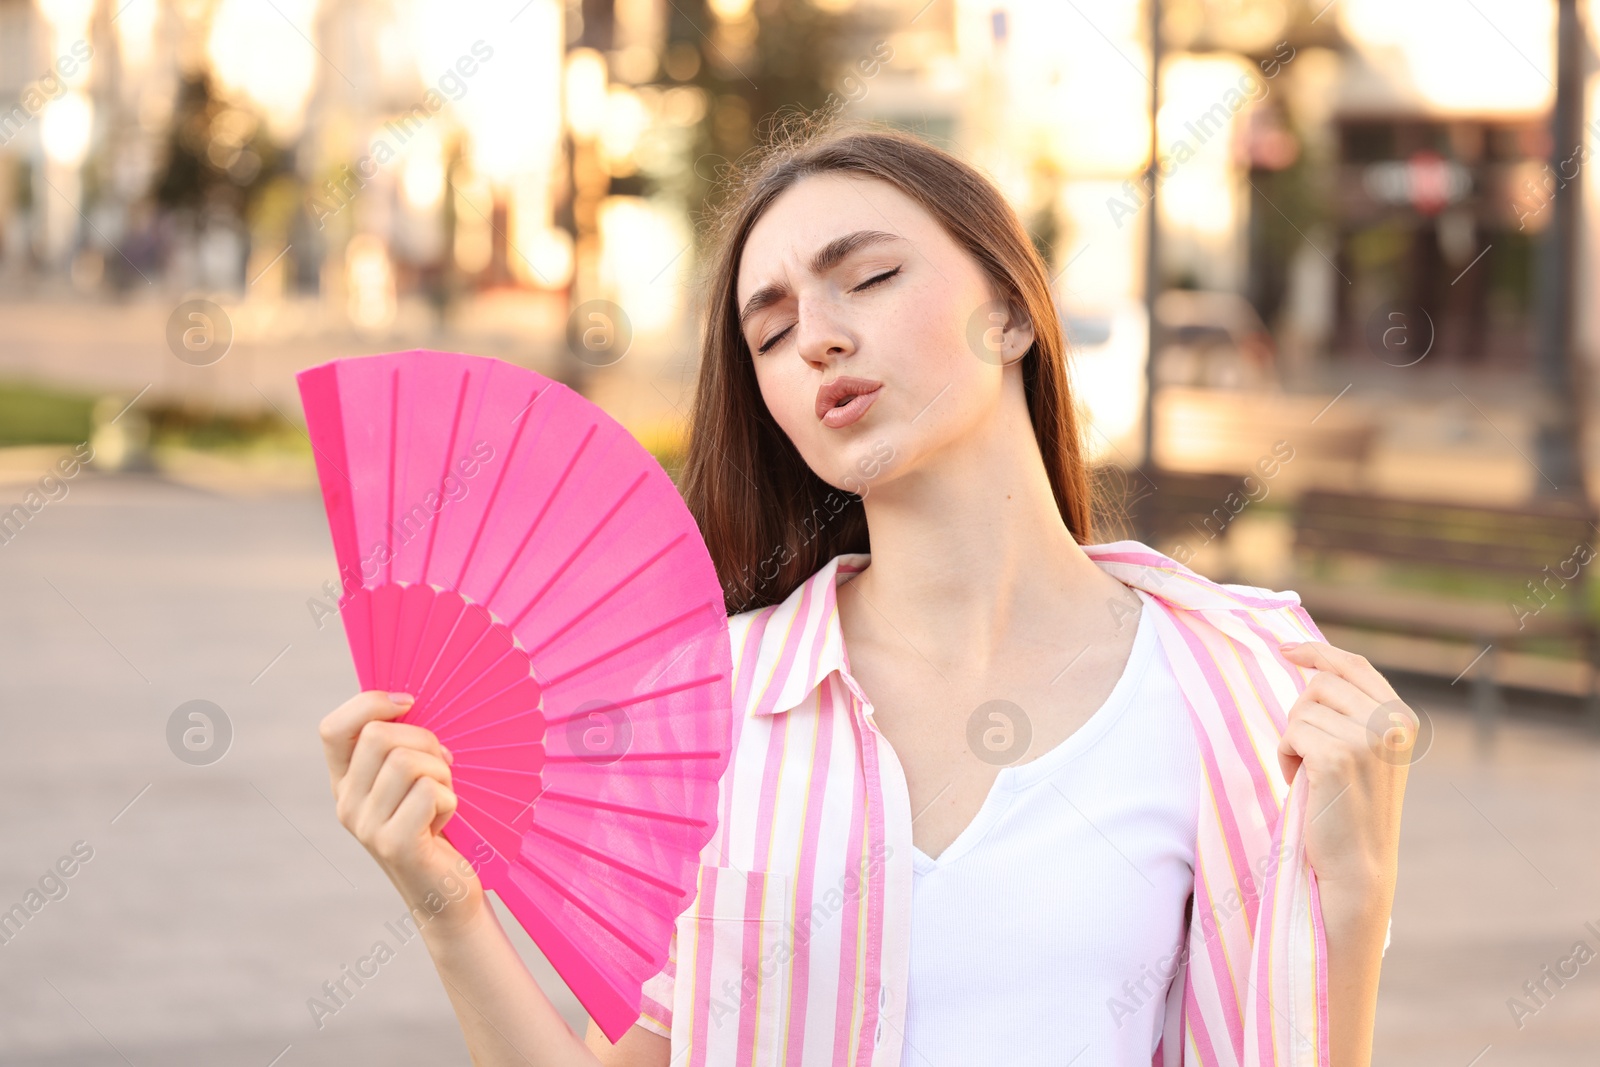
(1348, 665)
(444, 810)
(341, 726)
(1288, 761)
(1332, 723)
(1312, 727)
(373, 747)
(1340, 694)
(416, 811)
(396, 778)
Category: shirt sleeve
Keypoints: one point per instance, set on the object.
(655, 1006)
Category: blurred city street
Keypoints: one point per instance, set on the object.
(1324, 272)
(219, 898)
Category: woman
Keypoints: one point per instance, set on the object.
(998, 793)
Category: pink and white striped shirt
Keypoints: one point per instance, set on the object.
(795, 950)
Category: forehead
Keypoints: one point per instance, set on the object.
(815, 210)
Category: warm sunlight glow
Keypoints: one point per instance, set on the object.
(262, 53)
(369, 279)
(585, 92)
(1489, 56)
(136, 28)
(422, 181)
(510, 103)
(645, 253)
(65, 128)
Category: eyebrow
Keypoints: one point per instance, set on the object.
(828, 256)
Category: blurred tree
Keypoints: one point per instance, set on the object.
(217, 154)
(762, 73)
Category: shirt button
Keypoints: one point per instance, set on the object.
(877, 1038)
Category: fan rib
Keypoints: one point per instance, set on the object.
(444, 643)
(488, 507)
(609, 653)
(643, 813)
(491, 748)
(510, 651)
(487, 767)
(510, 831)
(543, 511)
(388, 531)
(526, 802)
(618, 586)
(493, 696)
(450, 450)
(394, 425)
(610, 861)
(588, 539)
(642, 697)
(588, 758)
(498, 723)
(589, 910)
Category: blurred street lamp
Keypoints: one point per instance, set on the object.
(1143, 519)
(1559, 459)
(585, 102)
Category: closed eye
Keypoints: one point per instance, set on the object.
(869, 283)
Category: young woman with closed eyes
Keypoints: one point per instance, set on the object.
(993, 726)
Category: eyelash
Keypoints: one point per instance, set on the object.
(869, 283)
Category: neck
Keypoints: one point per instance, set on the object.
(970, 554)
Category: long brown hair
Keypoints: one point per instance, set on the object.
(768, 520)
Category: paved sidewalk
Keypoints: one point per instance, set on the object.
(219, 898)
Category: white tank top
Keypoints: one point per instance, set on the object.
(1049, 931)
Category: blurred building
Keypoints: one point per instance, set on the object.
(391, 163)
(1338, 165)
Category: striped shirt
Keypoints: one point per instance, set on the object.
(795, 949)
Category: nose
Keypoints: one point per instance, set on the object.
(823, 336)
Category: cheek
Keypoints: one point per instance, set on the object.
(783, 386)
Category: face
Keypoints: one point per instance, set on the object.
(854, 282)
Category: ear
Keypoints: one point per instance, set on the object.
(1019, 335)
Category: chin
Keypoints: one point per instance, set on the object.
(859, 464)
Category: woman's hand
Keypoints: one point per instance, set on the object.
(1353, 736)
(392, 789)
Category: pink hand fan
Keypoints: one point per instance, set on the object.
(516, 560)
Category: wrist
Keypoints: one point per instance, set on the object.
(442, 908)
(460, 924)
(1356, 908)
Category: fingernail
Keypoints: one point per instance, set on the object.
(405, 700)
(449, 757)
(1290, 646)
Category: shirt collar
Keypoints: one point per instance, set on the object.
(1131, 562)
(815, 598)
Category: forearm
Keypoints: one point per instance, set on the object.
(506, 1018)
(1355, 921)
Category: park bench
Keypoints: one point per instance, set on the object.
(1498, 578)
